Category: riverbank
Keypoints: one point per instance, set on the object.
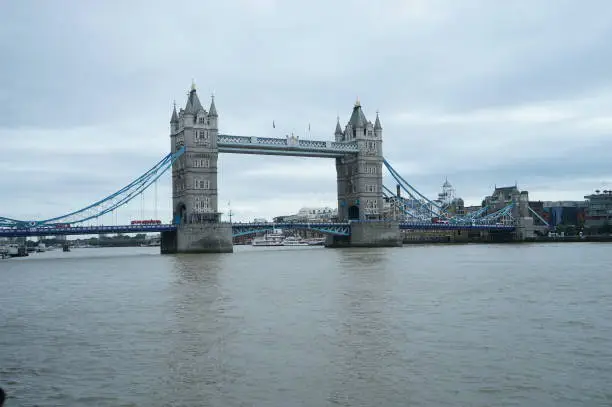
(542, 239)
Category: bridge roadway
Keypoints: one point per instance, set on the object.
(238, 229)
(288, 146)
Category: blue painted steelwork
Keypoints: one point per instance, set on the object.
(238, 229)
(476, 217)
(410, 208)
(504, 214)
(338, 229)
(426, 209)
(105, 205)
(82, 230)
(9, 222)
(454, 226)
(289, 146)
(476, 214)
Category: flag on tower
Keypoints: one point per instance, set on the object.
(309, 127)
(273, 125)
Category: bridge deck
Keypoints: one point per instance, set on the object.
(83, 230)
(289, 146)
(239, 229)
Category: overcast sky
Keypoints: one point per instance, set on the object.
(483, 92)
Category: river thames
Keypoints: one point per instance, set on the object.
(438, 325)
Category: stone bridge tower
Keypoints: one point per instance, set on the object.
(194, 180)
(194, 175)
(360, 175)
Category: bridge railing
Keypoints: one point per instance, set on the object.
(288, 142)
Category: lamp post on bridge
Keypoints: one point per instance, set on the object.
(229, 211)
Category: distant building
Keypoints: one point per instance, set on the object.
(599, 210)
(563, 212)
(322, 214)
(446, 197)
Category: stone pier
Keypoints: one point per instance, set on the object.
(369, 234)
(198, 238)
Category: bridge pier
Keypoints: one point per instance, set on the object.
(369, 234)
(525, 229)
(198, 238)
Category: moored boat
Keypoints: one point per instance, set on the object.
(269, 239)
(294, 241)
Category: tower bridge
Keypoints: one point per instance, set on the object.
(359, 159)
(357, 148)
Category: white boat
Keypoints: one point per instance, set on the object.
(316, 242)
(294, 241)
(269, 239)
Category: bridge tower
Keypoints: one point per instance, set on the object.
(360, 175)
(360, 185)
(194, 181)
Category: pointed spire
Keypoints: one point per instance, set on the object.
(377, 125)
(357, 119)
(174, 118)
(213, 109)
(193, 102)
(338, 128)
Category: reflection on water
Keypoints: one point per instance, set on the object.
(421, 326)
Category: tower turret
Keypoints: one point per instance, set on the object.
(212, 113)
(338, 133)
(377, 125)
(193, 106)
(174, 120)
(358, 120)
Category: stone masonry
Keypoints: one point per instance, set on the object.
(359, 176)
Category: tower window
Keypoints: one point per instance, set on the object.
(201, 204)
(201, 163)
(201, 136)
(201, 120)
(202, 184)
